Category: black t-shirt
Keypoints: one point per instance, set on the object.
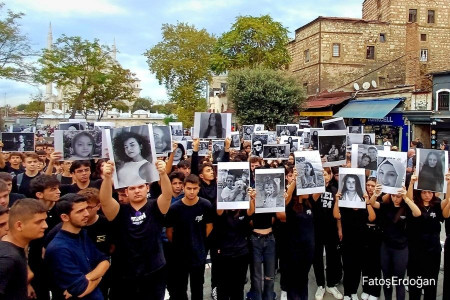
(13, 272)
(424, 231)
(262, 220)
(66, 180)
(393, 223)
(73, 188)
(447, 226)
(138, 239)
(189, 230)
(231, 230)
(323, 214)
(353, 224)
(24, 185)
(13, 172)
(13, 197)
(300, 225)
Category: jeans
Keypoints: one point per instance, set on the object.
(262, 253)
(393, 264)
(231, 276)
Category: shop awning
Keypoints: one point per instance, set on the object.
(368, 109)
(325, 99)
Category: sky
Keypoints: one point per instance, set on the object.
(135, 25)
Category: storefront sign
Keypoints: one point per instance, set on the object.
(393, 119)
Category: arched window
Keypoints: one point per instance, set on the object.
(443, 99)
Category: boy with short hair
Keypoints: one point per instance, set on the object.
(12, 197)
(21, 182)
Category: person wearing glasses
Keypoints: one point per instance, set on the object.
(257, 148)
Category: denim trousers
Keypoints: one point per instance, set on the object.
(262, 255)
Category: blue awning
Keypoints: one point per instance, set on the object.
(368, 109)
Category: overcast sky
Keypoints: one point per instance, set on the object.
(136, 26)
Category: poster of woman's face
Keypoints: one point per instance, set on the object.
(334, 124)
(132, 150)
(355, 129)
(431, 166)
(306, 137)
(259, 127)
(189, 147)
(391, 170)
(233, 179)
(333, 146)
(271, 137)
(276, 151)
(354, 138)
(218, 151)
(258, 140)
(310, 172)
(78, 144)
(247, 131)
(352, 185)
(162, 136)
(235, 141)
(177, 130)
(369, 139)
(203, 148)
(18, 142)
(269, 185)
(71, 126)
(314, 138)
(179, 152)
(288, 130)
(212, 125)
(292, 141)
(365, 156)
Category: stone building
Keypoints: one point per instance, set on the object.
(217, 96)
(396, 42)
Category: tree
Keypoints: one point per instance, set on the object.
(181, 62)
(21, 107)
(264, 96)
(142, 103)
(14, 48)
(36, 107)
(252, 42)
(90, 78)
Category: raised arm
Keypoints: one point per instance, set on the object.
(166, 188)
(194, 158)
(291, 188)
(252, 194)
(53, 157)
(410, 193)
(110, 206)
(170, 159)
(414, 208)
(372, 215)
(373, 200)
(226, 156)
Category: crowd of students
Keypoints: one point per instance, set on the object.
(67, 233)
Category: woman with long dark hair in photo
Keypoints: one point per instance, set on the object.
(431, 174)
(351, 190)
(424, 241)
(132, 151)
(393, 217)
(307, 175)
(351, 224)
(215, 127)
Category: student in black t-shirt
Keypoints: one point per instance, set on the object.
(326, 236)
(424, 241)
(138, 226)
(21, 182)
(65, 177)
(14, 164)
(393, 217)
(12, 197)
(189, 222)
(26, 223)
(351, 229)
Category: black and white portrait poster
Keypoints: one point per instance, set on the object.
(180, 152)
(269, 185)
(78, 144)
(18, 141)
(133, 151)
(218, 151)
(203, 148)
(259, 127)
(102, 126)
(83, 123)
(306, 137)
(352, 186)
(189, 147)
(365, 156)
(233, 179)
(212, 125)
(292, 141)
(162, 137)
(334, 124)
(368, 139)
(258, 140)
(177, 130)
(235, 141)
(333, 146)
(276, 151)
(355, 129)
(247, 131)
(71, 126)
(271, 137)
(310, 178)
(431, 166)
(314, 138)
(288, 130)
(391, 170)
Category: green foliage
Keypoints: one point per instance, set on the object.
(142, 103)
(21, 107)
(252, 42)
(90, 78)
(264, 96)
(14, 48)
(167, 108)
(35, 107)
(181, 62)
